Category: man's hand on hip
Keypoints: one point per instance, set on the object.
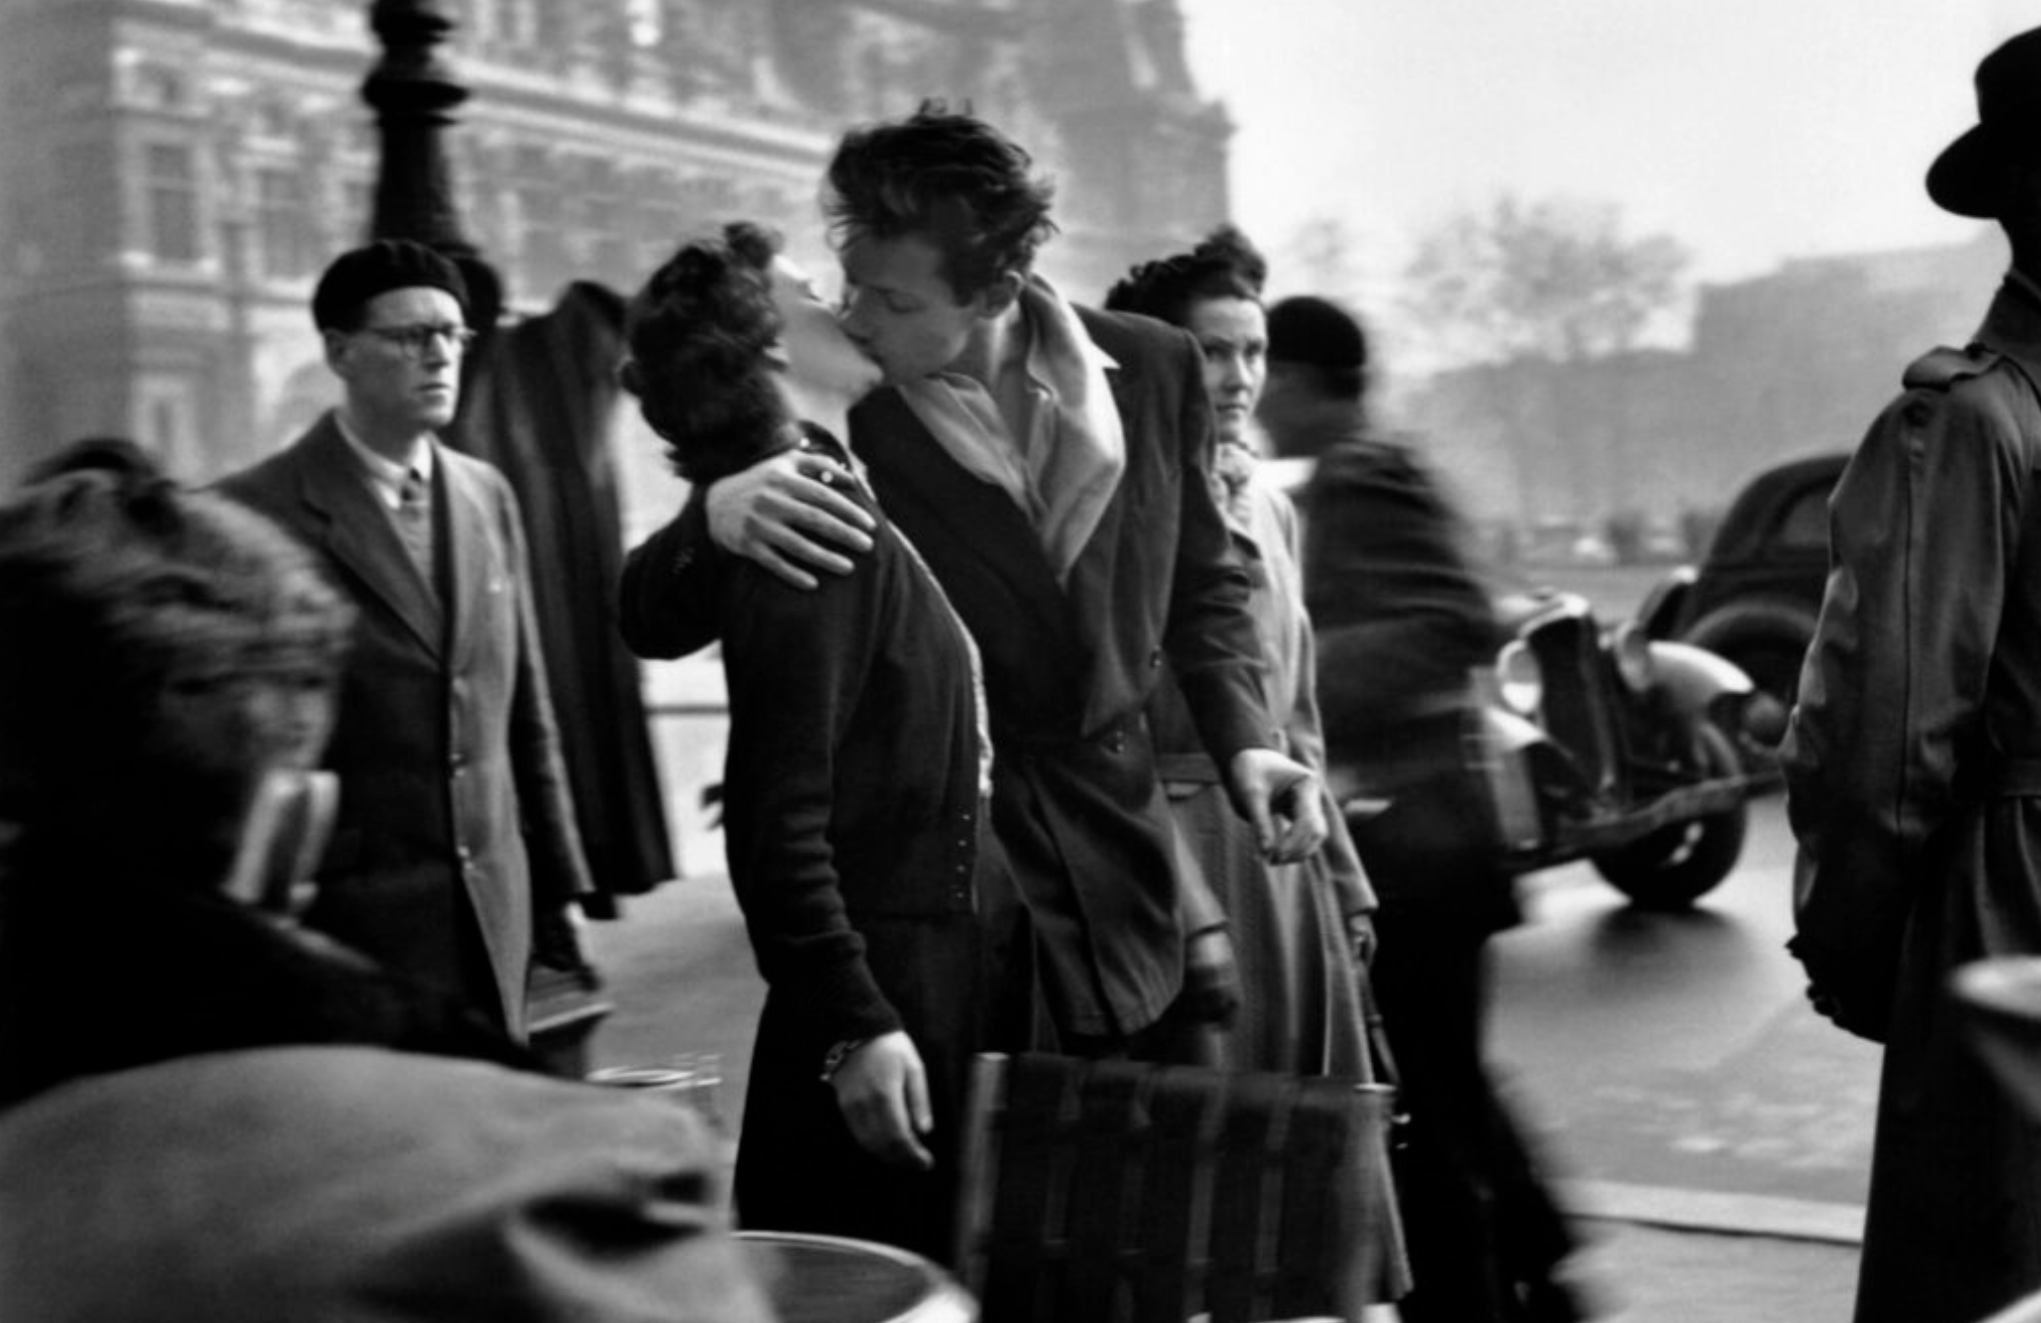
(790, 515)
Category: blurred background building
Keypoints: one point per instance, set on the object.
(1637, 452)
(177, 172)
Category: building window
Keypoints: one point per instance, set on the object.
(282, 224)
(170, 179)
(659, 233)
(520, 22)
(541, 242)
(608, 253)
(357, 211)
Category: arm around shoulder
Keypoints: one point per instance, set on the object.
(666, 598)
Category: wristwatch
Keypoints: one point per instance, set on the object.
(838, 1053)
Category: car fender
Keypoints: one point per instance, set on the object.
(1692, 677)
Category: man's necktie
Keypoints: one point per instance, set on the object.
(414, 522)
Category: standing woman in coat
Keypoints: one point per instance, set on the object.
(855, 783)
(1299, 932)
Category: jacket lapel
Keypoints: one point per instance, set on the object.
(1092, 578)
(360, 537)
(474, 581)
(929, 495)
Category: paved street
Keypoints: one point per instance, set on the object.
(1678, 1051)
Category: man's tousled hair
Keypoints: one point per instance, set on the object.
(947, 177)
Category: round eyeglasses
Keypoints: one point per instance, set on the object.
(415, 339)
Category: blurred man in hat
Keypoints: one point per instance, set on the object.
(455, 847)
(1913, 761)
(1401, 617)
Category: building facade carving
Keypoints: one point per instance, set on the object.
(180, 170)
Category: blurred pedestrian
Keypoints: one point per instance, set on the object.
(456, 858)
(1300, 932)
(1401, 617)
(168, 683)
(855, 783)
(1913, 761)
(1049, 462)
(206, 1110)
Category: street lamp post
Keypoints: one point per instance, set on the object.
(414, 94)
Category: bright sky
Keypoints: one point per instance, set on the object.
(1750, 130)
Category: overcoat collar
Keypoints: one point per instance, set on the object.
(2012, 325)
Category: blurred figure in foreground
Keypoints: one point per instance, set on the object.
(855, 787)
(239, 1119)
(167, 685)
(1401, 618)
(1913, 761)
(456, 857)
(1300, 932)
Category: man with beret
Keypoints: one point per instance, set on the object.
(455, 851)
(1400, 618)
(1913, 761)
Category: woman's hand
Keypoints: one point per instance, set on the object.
(883, 1091)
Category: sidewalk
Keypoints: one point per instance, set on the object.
(678, 967)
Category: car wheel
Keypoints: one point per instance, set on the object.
(1676, 865)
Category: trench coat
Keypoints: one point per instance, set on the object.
(455, 817)
(1913, 770)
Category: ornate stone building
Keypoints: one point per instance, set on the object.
(177, 171)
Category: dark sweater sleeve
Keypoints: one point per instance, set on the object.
(796, 663)
(666, 603)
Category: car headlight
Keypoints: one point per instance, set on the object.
(1634, 663)
(1519, 682)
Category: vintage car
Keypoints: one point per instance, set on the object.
(1604, 744)
(1755, 595)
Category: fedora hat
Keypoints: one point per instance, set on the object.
(1968, 177)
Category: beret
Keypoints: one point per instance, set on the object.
(357, 276)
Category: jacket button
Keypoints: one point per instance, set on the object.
(1154, 658)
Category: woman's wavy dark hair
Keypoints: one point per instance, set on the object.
(946, 177)
(114, 583)
(701, 334)
(1224, 266)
